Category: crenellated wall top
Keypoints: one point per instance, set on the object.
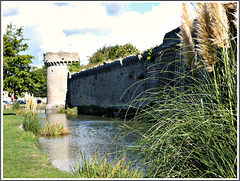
(169, 40)
(51, 58)
(108, 66)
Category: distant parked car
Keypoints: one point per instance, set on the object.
(21, 102)
(12, 102)
(39, 101)
(5, 102)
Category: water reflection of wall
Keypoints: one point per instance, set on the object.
(58, 150)
(90, 134)
(57, 118)
(58, 146)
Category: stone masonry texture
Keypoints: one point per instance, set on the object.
(120, 82)
(57, 75)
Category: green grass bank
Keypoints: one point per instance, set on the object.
(21, 156)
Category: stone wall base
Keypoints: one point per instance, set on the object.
(105, 111)
(54, 108)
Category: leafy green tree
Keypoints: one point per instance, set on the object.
(39, 77)
(98, 57)
(16, 68)
(113, 52)
(129, 49)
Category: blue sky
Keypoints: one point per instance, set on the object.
(142, 7)
(85, 26)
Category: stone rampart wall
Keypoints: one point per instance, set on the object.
(119, 82)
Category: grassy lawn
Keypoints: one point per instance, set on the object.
(21, 156)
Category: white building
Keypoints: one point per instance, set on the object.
(6, 97)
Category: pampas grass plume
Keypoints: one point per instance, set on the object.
(206, 36)
(219, 25)
(185, 35)
(31, 103)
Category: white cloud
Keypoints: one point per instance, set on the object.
(46, 23)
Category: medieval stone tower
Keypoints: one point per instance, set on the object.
(57, 75)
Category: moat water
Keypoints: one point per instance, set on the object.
(90, 134)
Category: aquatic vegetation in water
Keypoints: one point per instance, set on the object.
(53, 129)
(68, 110)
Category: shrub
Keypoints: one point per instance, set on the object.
(16, 105)
(69, 110)
(74, 67)
(62, 110)
(31, 123)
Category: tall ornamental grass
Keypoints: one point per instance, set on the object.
(31, 120)
(32, 123)
(190, 128)
(99, 168)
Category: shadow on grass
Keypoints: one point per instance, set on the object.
(6, 114)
